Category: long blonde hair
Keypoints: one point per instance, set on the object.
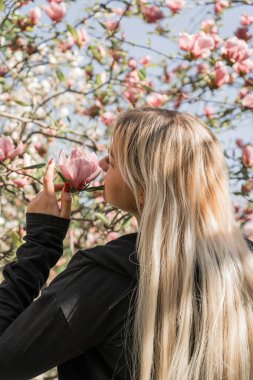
(194, 305)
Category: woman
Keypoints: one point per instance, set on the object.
(170, 302)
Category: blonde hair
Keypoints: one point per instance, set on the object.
(194, 303)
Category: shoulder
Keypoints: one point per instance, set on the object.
(118, 255)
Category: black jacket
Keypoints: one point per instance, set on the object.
(77, 322)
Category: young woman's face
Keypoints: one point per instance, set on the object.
(116, 191)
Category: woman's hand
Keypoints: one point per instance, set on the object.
(45, 202)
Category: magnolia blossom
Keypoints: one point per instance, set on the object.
(244, 67)
(112, 235)
(219, 5)
(80, 168)
(7, 149)
(56, 10)
(221, 75)
(199, 45)
(209, 112)
(132, 63)
(246, 19)
(202, 68)
(152, 14)
(247, 101)
(240, 142)
(132, 94)
(3, 71)
(145, 60)
(175, 5)
(243, 92)
(21, 182)
(236, 50)
(117, 11)
(34, 15)
(156, 99)
(112, 25)
(67, 44)
(210, 28)
(247, 156)
(107, 117)
(83, 37)
(243, 33)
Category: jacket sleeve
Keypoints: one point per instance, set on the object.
(27, 327)
(76, 311)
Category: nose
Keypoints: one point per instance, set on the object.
(103, 164)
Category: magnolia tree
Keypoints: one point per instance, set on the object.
(66, 70)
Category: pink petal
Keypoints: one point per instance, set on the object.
(2, 155)
(94, 174)
(19, 150)
(6, 144)
(62, 162)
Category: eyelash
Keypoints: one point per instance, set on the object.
(107, 160)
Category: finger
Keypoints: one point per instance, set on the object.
(48, 180)
(66, 202)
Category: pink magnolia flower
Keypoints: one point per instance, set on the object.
(41, 149)
(152, 14)
(80, 168)
(56, 10)
(243, 92)
(132, 63)
(21, 182)
(236, 50)
(210, 28)
(175, 5)
(243, 34)
(246, 19)
(83, 37)
(199, 45)
(240, 142)
(247, 186)
(247, 156)
(145, 60)
(132, 77)
(67, 44)
(7, 149)
(107, 117)
(3, 71)
(202, 68)
(132, 94)
(219, 5)
(244, 67)
(112, 235)
(156, 99)
(247, 101)
(221, 75)
(34, 15)
(112, 25)
(209, 112)
(117, 11)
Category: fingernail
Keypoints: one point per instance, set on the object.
(50, 161)
(67, 187)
